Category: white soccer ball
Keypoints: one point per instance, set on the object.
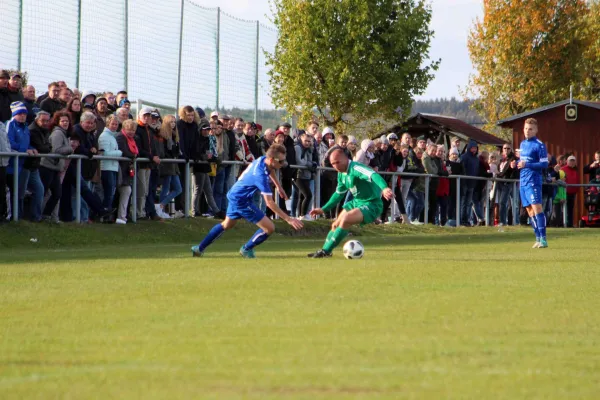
(353, 249)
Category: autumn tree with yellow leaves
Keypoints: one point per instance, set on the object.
(527, 53)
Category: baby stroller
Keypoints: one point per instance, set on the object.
(592, 202)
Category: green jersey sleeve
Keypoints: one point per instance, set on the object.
(340, 193)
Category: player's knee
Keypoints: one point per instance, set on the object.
(269, 227)
(345, 222)
(228, 224)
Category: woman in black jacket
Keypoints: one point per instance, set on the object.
(187, 128)
(168, 145)
(201, 181)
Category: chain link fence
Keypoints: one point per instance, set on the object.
(167, 52)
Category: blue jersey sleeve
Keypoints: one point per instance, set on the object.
(263, 183)
(542, 162)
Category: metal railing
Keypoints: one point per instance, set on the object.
(316, 196)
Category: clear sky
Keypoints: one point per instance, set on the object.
(451, 22)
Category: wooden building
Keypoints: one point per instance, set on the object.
(564, 131)
(439, 129)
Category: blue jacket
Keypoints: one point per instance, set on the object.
(534, 153)
(108, 142)
(19, 138)
(470, 163)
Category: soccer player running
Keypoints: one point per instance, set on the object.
(255, 177)
(366, 186)
(532, 164)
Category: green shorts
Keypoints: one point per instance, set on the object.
(370, 211)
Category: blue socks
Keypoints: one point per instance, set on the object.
(540, 220)
(534, 225)
(259, 237)
(213, 235)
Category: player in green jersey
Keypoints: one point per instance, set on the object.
(366, 187)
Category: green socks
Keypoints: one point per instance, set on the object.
(334, 238)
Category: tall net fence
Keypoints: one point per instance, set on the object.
(9, 33)
(237, 63)
(266, 111)
(49, 50)
(166, 52)
(199, 56)
(103, 32)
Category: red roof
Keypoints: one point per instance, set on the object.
(460, 127)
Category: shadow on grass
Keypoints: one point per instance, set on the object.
(293, 247)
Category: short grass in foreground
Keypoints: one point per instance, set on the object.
(473, 314)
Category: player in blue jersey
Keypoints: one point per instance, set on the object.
(256, 177)
(533, 162)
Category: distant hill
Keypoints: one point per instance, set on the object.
(450, 107)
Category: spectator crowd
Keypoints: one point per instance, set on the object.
(64, 121)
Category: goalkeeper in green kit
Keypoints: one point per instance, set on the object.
(366, 187)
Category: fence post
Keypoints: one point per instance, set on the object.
(15, 190)
(393, 209)
(78, 192)
(218, 52)
(277, 198)
(317, 197)
(134, 192)
(20, 35)
(458, 201)
(515, 208)
(564, 212)
(78, 44)
(186, 212)
(426, 209)
(487, 204)
(180, 51)
(256, 72)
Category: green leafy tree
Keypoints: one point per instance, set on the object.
(348, 60)
(526, 54)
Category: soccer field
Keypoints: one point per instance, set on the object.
(436, 315)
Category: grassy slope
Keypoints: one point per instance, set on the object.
(473, 314)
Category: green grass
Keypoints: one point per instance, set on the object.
(99, 312)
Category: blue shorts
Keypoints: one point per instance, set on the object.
(247, 211)
(530, 194)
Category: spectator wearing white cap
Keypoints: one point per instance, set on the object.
(214, 115)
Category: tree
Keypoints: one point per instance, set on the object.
(361, 57)
(591, 57)
(526, 54)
